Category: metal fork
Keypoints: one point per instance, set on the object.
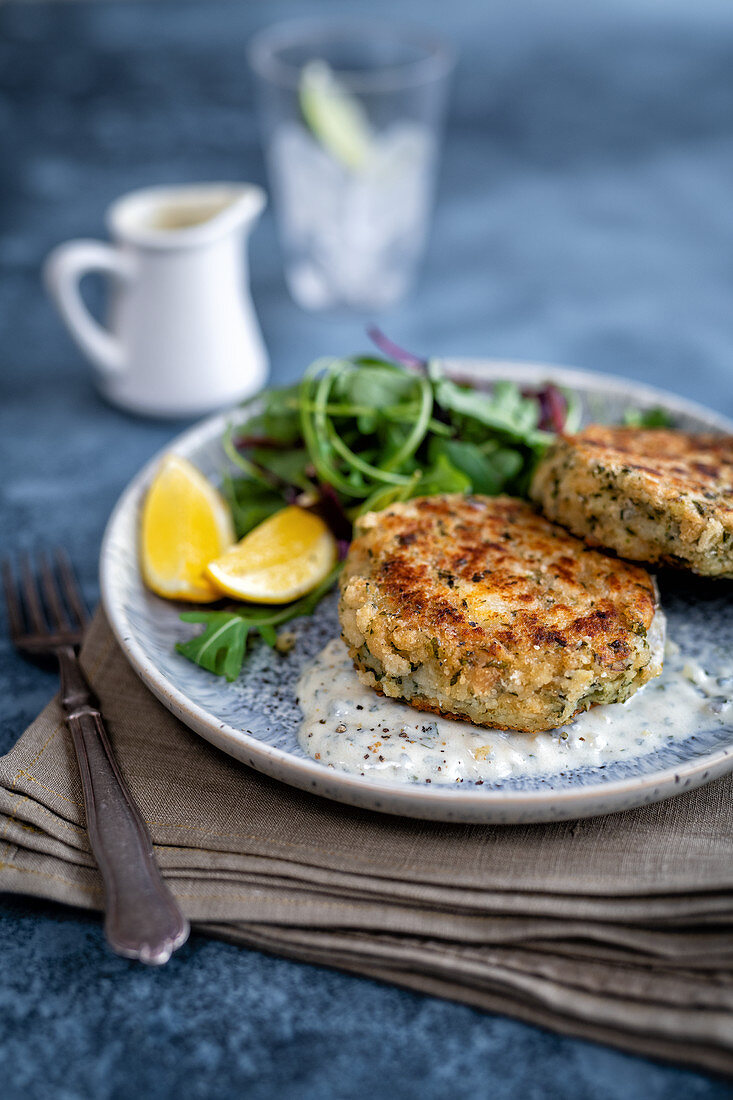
(143, 920)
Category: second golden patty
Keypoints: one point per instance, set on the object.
(653, 495)
(479, 608)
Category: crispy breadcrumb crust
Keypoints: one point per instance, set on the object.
(656, 496)
(478, 607)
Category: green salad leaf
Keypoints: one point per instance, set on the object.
(488, 467)
(250, 502)
(647, 418)
(442, 477)
(222, 646)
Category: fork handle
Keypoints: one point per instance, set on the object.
(143, 920)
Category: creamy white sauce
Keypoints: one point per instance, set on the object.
(347, 726)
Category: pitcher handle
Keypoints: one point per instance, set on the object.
(63, 271)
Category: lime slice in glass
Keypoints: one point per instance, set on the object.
(335, 118)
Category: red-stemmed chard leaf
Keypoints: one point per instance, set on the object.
(553, 407)
(394, 351)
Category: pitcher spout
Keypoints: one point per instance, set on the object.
(188, 215)
(241, 206)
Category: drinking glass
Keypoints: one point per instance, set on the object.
(351, 117)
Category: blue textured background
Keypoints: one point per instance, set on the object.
(585, 217)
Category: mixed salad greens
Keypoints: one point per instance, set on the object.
(358, 434)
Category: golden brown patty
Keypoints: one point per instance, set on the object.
(479, 608)
(650, 495)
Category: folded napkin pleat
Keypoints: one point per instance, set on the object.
(616, 929)
(442, 977)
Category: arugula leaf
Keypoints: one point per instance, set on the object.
(367, 422)
(280, 418)
(389, 494)
(504, 411)
(250, 502)
(378, 387)
(287, 465)
(442, 477)
(647, 418)
(489, 471)
(507, 464)
(222, 645)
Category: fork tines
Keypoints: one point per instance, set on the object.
(45, 602)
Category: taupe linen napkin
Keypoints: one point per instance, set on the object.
(616, 928)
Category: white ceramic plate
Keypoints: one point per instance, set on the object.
(256, 718)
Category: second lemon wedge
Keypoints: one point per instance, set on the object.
(280, 560)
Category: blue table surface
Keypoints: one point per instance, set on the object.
(585, 216)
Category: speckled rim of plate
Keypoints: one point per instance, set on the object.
(488, 806)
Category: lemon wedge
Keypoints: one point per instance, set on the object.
(280, 560)
(186, 523)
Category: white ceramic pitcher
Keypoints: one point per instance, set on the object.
(182, 335)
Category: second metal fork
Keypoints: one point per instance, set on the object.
(143, 920)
